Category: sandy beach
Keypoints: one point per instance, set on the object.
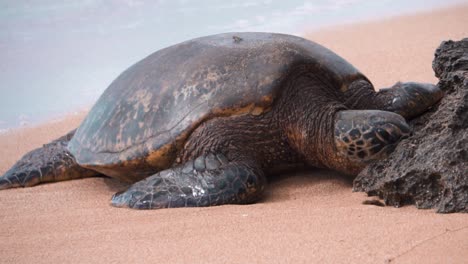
(306, 217)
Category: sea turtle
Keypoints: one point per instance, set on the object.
(203, 122)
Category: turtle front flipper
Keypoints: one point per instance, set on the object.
(363, 136)
(409, 99)
(50, 163)
(206, 181)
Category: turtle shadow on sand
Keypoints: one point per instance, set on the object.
(430, 168)
(115, 185)
(281, 187)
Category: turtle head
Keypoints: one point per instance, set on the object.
(411, 99)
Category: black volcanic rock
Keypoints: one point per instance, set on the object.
(430, 169)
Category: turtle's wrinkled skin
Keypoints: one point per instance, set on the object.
(205, 121)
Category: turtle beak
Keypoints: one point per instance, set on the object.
(429, 92)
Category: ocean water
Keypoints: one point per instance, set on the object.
(58, 56)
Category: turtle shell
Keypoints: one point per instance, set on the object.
(147, 113)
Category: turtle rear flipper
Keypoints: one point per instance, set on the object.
(50, 163)
(206, 181)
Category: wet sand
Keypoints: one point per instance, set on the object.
(306, 217)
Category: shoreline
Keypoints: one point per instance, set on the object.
(305, 33)
(81, 113)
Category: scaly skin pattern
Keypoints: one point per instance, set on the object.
(363, 136)
(206, 181)
(53, 162)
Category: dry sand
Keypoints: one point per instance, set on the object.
(310, 217)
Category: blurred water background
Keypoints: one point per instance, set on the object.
(58, 56)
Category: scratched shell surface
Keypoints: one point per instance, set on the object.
(155, 104)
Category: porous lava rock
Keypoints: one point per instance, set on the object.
(430, 168)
